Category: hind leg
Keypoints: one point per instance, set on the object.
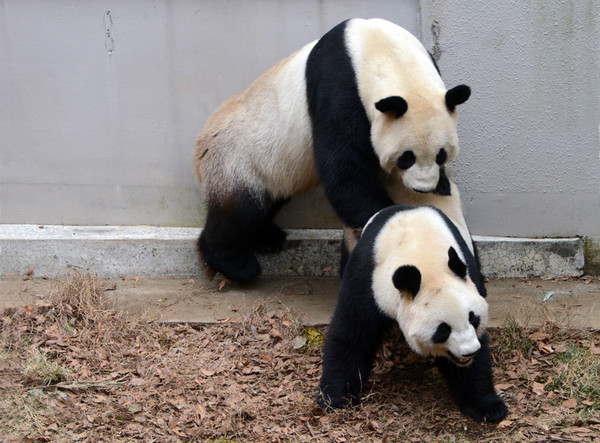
(226, 241)
(270, 237)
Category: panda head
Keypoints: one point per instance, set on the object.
(421, 279)
(442, 320)
(415, 135)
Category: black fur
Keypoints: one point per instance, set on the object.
(474, 319)
(395, 103)
(442, 333)
(344, 157)
(235, 230)
(443, 185)
(407, 278)
(457, 96)
(441, 157)
(455, 263)
(357, 326)
(472, 387)
(406, 160)
(355, 331)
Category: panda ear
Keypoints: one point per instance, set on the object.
(456, 264)
(407, 278)
(457, 96)
(394, 103)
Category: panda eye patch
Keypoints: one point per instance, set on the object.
(474, 319)
(406, 160)
(441, 157)
(442, 333)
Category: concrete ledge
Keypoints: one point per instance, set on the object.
(112, 251)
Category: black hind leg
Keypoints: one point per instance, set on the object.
(226, 242)
(472, 387)
(270, 237)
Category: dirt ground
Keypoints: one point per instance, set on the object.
(74, 369)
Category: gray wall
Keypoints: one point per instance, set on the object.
(529, 163)
(93, 137)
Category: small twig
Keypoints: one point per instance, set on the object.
(83, 385)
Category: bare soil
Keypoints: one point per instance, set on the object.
(73, 369)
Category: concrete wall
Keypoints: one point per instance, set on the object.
(529, 164)
(99, 110)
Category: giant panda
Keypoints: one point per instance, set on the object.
(365, 100)
(412, 266)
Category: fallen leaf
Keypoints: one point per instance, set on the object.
(538, 388)
(559, 349)
(298, 342)
(504, 424)
(137, 381)
(539, 336)
(207, 372)
(569, 404)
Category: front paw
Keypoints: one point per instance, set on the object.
(331, 402)
(492, 411)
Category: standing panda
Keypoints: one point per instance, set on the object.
(413, 266)
(364, 101)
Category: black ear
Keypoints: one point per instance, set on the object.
(456, 264)
(407, 278)
(457, 96)
(394, 103)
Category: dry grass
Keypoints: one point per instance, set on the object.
(108, 377)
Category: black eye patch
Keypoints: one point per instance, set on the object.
(406, 160)
(442, 333)
(441, 157)
(474, 319)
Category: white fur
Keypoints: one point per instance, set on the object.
(450, 205)
(421, 238)
(403, 69)
(261, 138)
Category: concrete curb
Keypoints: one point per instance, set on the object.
(112, 251)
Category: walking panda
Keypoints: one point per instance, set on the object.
(364, 101)
(411, 265)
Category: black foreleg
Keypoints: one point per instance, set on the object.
(472, 387)
(352, 339)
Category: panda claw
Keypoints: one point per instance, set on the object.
(491, 413)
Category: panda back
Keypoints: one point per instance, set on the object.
(261, 137)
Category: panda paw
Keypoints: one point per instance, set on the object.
(240, 267)
(269, 239)
(329, 404)
(491, 412)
